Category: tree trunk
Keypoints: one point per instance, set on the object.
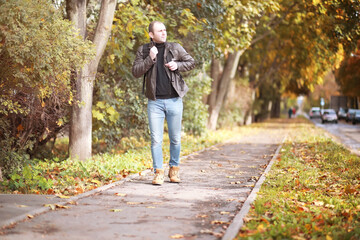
(216, 101)
(275, 110)
(216, 71)
(81, 115)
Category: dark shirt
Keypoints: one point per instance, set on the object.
(164, 88)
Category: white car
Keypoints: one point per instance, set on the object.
(329, 115)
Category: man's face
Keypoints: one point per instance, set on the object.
(159, 33)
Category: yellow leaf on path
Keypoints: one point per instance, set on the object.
(177, 236)
(22, 206)
(61, 206)
(62, 196)
(150, 207)
(133, 203)
(115, 210)
(219, 222)
(30, 216)
(230, 199)
(51, 206)
(120, 194)
(328, 237)
(224, 213)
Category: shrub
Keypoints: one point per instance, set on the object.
(38, 52)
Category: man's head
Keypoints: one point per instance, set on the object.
(157, 32)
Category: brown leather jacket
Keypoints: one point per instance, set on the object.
(173, 51)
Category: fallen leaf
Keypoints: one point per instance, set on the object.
(177, 236)
(115, 210)
(30, 216)
(261, 228)
(79, 190)
(134, 203)
(51, 206)
(230, 176)
(219, 222)
(224, 213)
(22, 206)
(201, 216)
(95, 181)
(120, 194)
(61, 206)
(73, 203)
(318, 203)
(230, 199)
(62, 196)
(349, 189)
(150, 207)
(50, 191)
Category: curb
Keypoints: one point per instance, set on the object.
(238, 221)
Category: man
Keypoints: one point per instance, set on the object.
(161, 63)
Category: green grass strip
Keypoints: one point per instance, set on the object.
(311, 192)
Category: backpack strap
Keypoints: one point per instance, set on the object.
(146, 52)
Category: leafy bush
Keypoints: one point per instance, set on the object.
(195, 114)
(38, 52)
(119, 112)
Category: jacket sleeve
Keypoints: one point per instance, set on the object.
(184, 61)
(140, 65)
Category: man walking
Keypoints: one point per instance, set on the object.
(161, 63)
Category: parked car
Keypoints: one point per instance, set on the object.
(329, 115)
(314, 112)
(349, 114)
(356, 117)
(341, 114)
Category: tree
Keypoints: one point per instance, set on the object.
(237, 30)
(305, 45)
(348, 75)
(81, 114)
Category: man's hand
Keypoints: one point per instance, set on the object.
(153, 52)
(172, 65)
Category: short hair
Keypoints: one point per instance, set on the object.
(151, 25)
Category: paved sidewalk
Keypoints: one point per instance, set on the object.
(215, 184)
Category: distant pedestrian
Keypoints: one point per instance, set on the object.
(290, 112)
(161, 63)
(294, 111)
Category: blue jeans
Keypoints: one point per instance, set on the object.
(158, 110)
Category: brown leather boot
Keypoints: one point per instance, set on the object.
(159, 177)
(174, 174)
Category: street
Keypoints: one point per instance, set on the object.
(347, 133)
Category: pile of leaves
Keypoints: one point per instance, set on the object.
(312, 191)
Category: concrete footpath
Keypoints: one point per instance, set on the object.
(215, 185)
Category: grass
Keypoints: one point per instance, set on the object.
(72, 177)
(311, 192)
